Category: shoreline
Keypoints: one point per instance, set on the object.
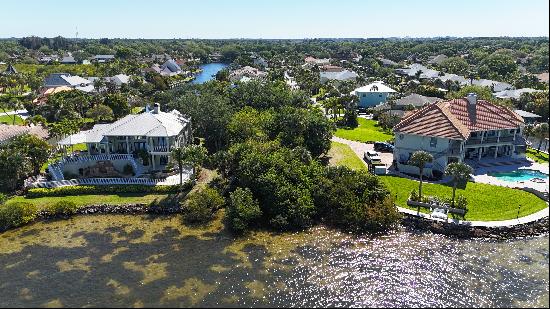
(409, 221)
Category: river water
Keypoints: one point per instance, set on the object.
(208, 72)
(120, 260)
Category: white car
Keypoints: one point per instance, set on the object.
(372, 156)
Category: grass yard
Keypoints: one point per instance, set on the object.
(83, 200)
(341, 154)
(539, 157)
(8, 119)
(485, 202)
(367, 131)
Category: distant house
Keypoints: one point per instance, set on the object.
(528, 117)
(514, 94)
(47, 59)
(438, 59)
(168, 68)
(215, 56)
(259, 61)
(387, 62)
(496, 86)
(103, 58)
(68, 60)
(415, 100)
(10, 70)
(458, 130)
(373, 94)
(336, 73)
(311, 62)
(8, 132)
(118, 79)
(417, 70)
(246, 73)
(65, 79)
(43, 97)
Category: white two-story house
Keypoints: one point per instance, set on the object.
(456, 131)
(153, 132)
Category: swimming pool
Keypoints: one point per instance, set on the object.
(519, 175)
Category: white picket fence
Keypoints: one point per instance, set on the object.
(96, 181)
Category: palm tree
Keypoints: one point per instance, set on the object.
(419, 159)
(541, 133)
(460, 172)
(191, 154)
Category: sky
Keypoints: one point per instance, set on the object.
(273, 19)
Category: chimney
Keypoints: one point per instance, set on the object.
(156, 109)
(472, 101)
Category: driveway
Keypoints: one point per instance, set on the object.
(359, 148)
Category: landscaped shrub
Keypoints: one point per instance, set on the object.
(414, 196)
(62, 208)
(16, 214)
(243, 210)
(3, 198)
(199, 206)
(84, 190)
(461, 202)
(379, 217)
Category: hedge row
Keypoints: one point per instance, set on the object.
(85, 190)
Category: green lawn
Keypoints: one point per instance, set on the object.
(539, 157)
(8, 119)
(367, 131)
(83, 200)
(341, 154)
(485, 202)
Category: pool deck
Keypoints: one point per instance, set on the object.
(481, 175)
(504, 223)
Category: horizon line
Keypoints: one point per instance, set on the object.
(303, 38)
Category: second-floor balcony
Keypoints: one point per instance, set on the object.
(161, 148)
(489, 140)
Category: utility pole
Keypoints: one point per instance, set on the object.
(519, 207)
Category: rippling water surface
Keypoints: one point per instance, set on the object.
(115, 260)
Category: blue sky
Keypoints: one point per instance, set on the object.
(273, 18)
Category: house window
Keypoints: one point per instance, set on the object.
(379, 95)
(433, 142)
(364, 95)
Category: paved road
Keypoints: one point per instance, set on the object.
(23, 113)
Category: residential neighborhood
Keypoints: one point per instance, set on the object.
(274, 154)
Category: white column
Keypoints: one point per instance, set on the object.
(127, 145)
(496, 151)
(479, 150)
(153, 161)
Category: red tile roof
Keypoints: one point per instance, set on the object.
(455, 119)
(10, 131)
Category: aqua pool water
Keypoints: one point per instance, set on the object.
(519, 175)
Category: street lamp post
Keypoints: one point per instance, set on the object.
(519, 207)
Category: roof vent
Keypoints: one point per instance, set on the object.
(156, 109)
